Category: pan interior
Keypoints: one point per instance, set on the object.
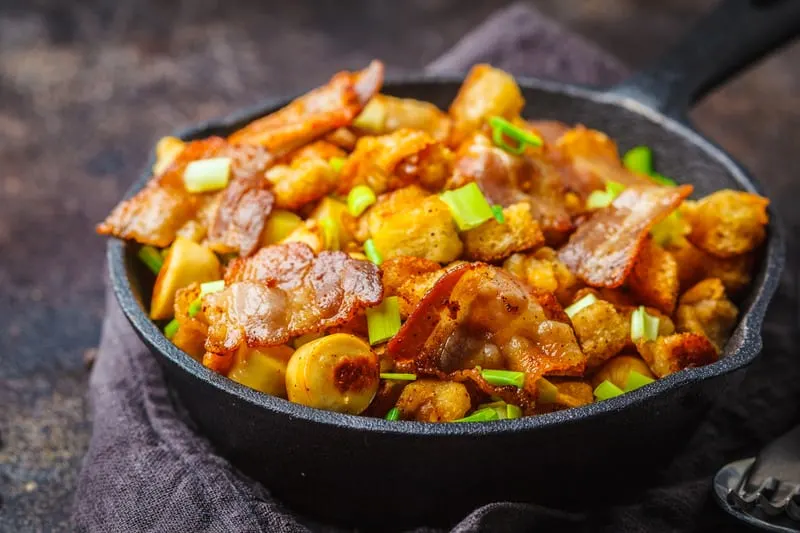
(679, 153)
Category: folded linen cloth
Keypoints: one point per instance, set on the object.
(147, 469)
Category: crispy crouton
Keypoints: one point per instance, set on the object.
(601, 330)
(545, 273)
(695, 265)
(409, 278)
(617, 369)
(426, 231)
(672, 353)
(305, 180)
(492, 241)
(387, 205)
(427, 400)
(706, 310)
(654, 279)
(728, 223)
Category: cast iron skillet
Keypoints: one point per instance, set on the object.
(365, 471)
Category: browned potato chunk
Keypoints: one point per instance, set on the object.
(601, 330)
(617, 368)
(310, 233)
(187, 262)
(428, 400)
(672, 353)
(167, 149)
(262, 369)
(492, 241)
(324, 150)
(385, 114)
(192, 331)
(705, 309)
(545, 273)
(304, 180)
(486, 92)
(426, 231)
(654, 279)
(728, 223)
(387, 205)
(336, 211)
(388, 162)
(695, 265)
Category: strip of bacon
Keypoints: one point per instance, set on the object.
(284, 291)
(314, 114)
(603, 251)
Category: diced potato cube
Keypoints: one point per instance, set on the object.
(492, 241)
(427, 400)
(706, 310)
(167, 149)
(279, 225)
(187, 262)
(262, 369)
(654, 279)
(310, 233)
(601, 330)
(336, 211)
(728, 223)
(426, 231)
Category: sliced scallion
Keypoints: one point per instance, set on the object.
(195, 307)
(546, 392)
(599, 199)
(636, 380)
(211, 286)
(468, 206)
(513, 411)
(502, 129)
(336, 163)
(207, 175)
(398, 377)
(481, 415)
(643, 325)
(639, 159)
(502, 378)
(359, 199)
(171, 328)
(330, 230)
(663, 180)
(393, 414)
(372, 253)
(383, 321)
(151, 257)
(607, 390)
(580, 305)
(498, 214)
(614, 188)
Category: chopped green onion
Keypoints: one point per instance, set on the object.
(580, 305)
(607, 390)
(670, 230)
(513, 411)
(372, 253)
(663, 180)
(172, 328)
(497, 404)
(643, 325)
(330, 230)
(482, 415)
(498, 214)
(383, 321)
(398, 377)
(359, 199)
(598, 199)
(546, 392)
(393, 414)
(639, 159)
(151, 257)
(207, 175)
(501, 128)
(211, 286)
(195, 307)
(501, 378)
(468, 206)
(336, 163)
(614, 188)
(636, 380)
(164, 252)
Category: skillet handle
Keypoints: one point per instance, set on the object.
(733, 35)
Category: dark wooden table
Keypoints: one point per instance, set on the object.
(86, 87)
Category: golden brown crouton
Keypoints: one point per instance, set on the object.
(492, 241)
(601, 330)
(388, 162)
(706, 310)
(426, 231)
(192, 330)
(617, 369)
(385, 114)
(573, 393)
(654, 279)
(486, 92)
(728, 223)
(305, 180)
(695, 265)
(387, 205)
(428, 400)
(669, 354)
(409, 278)
(545, 273)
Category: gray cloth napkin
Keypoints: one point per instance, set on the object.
(148, 470)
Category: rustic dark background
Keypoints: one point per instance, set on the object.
(87, 86)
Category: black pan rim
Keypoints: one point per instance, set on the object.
(747, 335)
